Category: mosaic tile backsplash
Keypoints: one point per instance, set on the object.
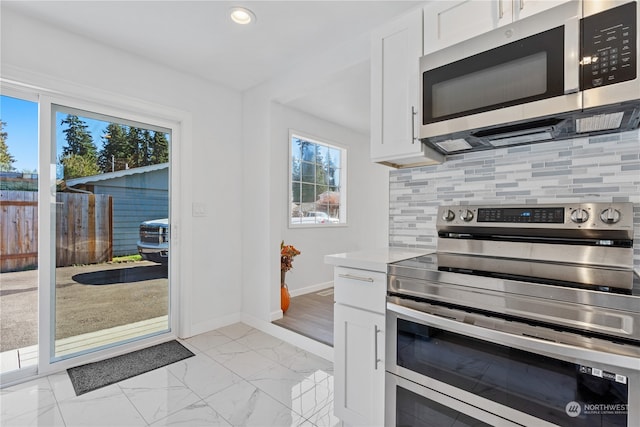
(596, 169)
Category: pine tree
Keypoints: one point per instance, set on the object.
(78, 138)
(6, 159)
(114, 154)
(146, 143)
(159, 148)
(80, 155)
(135, 144)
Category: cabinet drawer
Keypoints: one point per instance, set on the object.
(360, 288)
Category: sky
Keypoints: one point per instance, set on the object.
(21, 118)
(21, 125)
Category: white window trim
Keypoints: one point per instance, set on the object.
(343, 180)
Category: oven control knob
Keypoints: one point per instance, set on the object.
(448, 216)
(466, 216)
(579, 216)
(610, 216)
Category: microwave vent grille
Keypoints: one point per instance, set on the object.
(541, 135)
(599, 122)
(451, 145)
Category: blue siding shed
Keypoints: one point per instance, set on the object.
(139, 194)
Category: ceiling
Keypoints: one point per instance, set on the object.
(199, 38)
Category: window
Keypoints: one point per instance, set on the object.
(317, 183)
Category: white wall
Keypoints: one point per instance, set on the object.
(266, 124)
(233, 158)
(367, 198)
(209, 170)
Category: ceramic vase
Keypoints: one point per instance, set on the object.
(285, 298)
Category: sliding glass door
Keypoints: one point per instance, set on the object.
(86, 252)
(112, 231)
(18, 233)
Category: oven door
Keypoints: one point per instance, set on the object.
(410, 404)
(518, 378)
(525, 70)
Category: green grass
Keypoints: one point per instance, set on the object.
(126, 258)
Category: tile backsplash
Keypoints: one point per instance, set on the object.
(595, 169)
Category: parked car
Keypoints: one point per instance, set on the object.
(313, 217)
(154, 240)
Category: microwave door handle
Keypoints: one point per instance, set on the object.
(572, 58)
(413, 124)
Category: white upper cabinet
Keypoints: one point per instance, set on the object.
(450, 22)
(396, 49)
(524, 8)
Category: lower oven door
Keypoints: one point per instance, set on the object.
(447, 368)
(410, 404)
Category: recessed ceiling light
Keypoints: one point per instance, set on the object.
(242, 16)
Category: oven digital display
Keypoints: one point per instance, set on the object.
(522, 215)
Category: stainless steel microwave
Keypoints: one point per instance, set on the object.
(571, 70)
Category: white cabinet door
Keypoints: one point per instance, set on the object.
(358, 366)
(395, 53)
(525, 8)
(449, 22)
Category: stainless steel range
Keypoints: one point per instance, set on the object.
(525, 315)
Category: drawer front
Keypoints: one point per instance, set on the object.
(360, 288)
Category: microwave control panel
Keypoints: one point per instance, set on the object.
(609, 51)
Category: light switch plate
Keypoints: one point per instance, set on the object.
(198, 209)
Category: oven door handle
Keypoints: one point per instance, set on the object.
(522, 342)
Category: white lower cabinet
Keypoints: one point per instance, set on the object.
(358, 366)
(359, 323)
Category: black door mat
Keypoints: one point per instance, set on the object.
(93, 376)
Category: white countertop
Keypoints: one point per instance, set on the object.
(373, 259)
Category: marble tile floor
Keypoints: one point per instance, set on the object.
(239, 376)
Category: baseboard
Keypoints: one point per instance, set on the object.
(310, 289)
(276, 315)
(307, 344)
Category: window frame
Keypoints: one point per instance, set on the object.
(342, 177)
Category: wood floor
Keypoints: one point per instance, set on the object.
(311, 315)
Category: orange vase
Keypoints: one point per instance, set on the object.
(285, 298)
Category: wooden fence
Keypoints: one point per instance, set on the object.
(84, 229)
